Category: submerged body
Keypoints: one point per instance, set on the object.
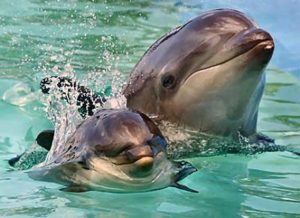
(113, 150)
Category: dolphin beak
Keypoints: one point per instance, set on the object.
(144, 156)
(157, 145)
(141, 156)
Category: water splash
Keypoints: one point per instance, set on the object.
(61, 104)
(34, 155)
(20, 94)
(188, 143)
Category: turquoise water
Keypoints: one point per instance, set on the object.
(39, 37)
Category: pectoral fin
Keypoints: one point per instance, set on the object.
(183, 187)
(185, 169)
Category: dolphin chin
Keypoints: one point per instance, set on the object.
(207, 75)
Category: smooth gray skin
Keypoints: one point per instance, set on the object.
(116, 151)
(216, 62)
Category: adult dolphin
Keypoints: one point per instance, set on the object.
(207, 74)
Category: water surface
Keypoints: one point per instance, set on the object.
(97, 39)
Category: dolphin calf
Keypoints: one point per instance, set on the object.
(207, 75)
(114, 150)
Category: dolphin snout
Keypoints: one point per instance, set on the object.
(248, 39)
(143, 156)
(262, 46)
(256, 36)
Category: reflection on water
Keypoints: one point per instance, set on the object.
(96, 38)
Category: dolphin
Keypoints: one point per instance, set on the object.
(114, 150)
(207, 75)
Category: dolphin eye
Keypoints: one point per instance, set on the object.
(168, 81)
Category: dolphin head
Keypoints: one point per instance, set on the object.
(206, 74)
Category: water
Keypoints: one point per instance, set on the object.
(97, 40)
